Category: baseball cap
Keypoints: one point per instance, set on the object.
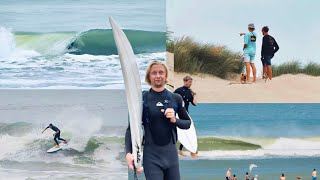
(251, 25)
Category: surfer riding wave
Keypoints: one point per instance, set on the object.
(56, 134)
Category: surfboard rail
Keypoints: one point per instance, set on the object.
(133, 89)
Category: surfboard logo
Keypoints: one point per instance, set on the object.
(138, 153)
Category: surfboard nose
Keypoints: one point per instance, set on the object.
(111, 20)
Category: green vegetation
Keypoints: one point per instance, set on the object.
(192, 57)
(169, 41)
(295, 67)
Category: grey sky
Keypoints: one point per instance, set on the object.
(294, 23)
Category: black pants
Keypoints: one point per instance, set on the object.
(57, 136)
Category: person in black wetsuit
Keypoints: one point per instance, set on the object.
(160, 156)
(188, 97)
(56, 134)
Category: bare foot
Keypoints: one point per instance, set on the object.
(181, 153)
(194, 155)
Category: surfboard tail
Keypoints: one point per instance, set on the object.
(188, 137)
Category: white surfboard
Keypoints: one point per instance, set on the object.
(188, 137)
(130, 72)
(252, 166)
(55, 149)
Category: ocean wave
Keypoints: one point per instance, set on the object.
(94, 42)
(240, 148)
(15, 129)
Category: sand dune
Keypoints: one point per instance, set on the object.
(287, 88)
(283, 89)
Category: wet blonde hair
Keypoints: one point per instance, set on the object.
(147, 78)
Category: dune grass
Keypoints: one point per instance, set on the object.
(295, 67)
(193, 57)
(169, 41)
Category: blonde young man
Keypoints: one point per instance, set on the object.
(188, 97)
(160, 156)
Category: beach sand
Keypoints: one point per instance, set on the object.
(283, 89)
(287, 88)
(170, 65)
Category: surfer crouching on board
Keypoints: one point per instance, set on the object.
(56, 134)
(188, 97)
(160, 156)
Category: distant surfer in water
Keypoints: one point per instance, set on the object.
(247, 176)
(282, 177)
(314, 174)
(234, 177)
(188, 97)
(228, 174)
(160, 156)
(56, 134)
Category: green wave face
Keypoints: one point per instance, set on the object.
(94, 42)
(213, 143)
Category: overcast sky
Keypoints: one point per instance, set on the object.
(295, 24)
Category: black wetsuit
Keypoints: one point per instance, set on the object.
(160, 156)
(187, 98)
(57, 136)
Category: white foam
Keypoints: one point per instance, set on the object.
(261, 153)
(7, 42)
(24, 148)
(8, 49)
(10, 144)
(72, 71)
(287, 144)
(108, 154)
(80, 123)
